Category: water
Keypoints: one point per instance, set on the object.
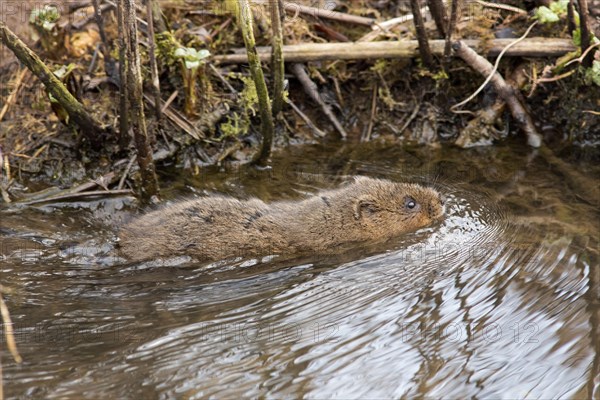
(501, 300)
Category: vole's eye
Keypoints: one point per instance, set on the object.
(410, 203)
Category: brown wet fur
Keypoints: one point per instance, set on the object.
(214, 228)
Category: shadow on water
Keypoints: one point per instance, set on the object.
(501, 299)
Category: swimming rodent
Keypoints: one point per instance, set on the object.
(217, 227)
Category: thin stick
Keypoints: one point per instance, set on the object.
(126, 172)
(153, 64)
(504, 90)
(13, 95)
(71, 196)
(222, 78)
(123, 87)
(451, 27)
(585, 53)
(277, 64)
(372, 116)
(100, 24)
(412, 116)
(306, 120)
(8, 331)
(329, 14)
(491, 74)
(438, 12)
(585, 32)
(501, 7)
(534, 47)
(424, 49)
(312, 91)
(172, 97)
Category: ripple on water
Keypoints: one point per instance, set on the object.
(475, 306)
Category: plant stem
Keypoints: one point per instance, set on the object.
(134, 83)
(244, 17)
(277, 64)
(152, 55)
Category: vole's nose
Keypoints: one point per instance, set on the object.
(443, 199)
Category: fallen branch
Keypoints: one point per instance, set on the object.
(329, 14)
(72, 196)
(92, 128)
(504, 90)
(533, 47)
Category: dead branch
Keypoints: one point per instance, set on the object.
(533, 47)
(329, 14)
(88, 124)
(505, 91)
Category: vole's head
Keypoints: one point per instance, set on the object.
(386, 209)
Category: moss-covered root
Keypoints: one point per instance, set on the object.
(77, 113)
(244, 18)
(277, 56)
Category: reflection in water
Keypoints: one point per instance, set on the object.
(500, 300)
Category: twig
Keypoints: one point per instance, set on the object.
(504, 90)
(310, 88)
(585, 32)
(493, 72)
(138, 19)
(70, 196)
(534, 47)
(126, 172)
(501, 7)
(585, 53)
(367, 137)
(329, 14)
(172, 97)
(83, 22)
(277, 64)
(412, 116)
(451, 28)
(424, 49)
(124, 137)
(152, 56)
(13, 95)
(8, 331)
(100, 25)
(438, 12)
(177, 118)
(222, 79)
(306, 120)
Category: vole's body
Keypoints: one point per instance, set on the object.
(216, 227)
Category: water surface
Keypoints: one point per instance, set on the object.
(500, 300)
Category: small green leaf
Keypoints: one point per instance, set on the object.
(559, 7)
(546, 15)
(592, 75)
(45, 17)
(192, 57)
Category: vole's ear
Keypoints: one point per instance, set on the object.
(364, 206)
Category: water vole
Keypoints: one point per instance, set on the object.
(216, 227)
